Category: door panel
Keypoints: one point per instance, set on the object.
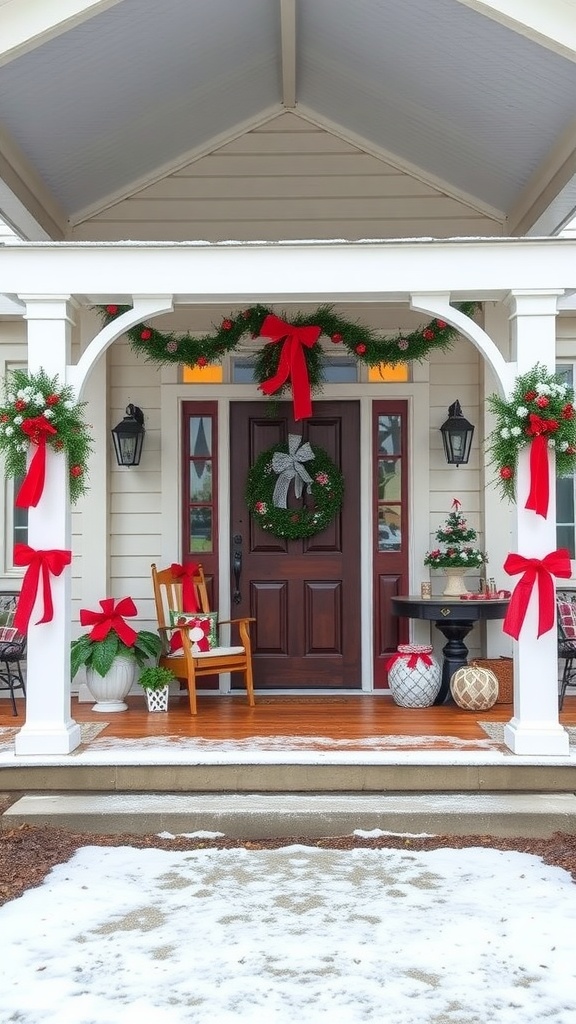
(304, 594)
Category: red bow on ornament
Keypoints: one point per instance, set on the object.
(185, 574)
(39, 563)
(111, 618)
(38, 430)
(413, 659)
(557, 563)
(292, 362)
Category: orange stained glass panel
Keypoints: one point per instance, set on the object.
(385, 372)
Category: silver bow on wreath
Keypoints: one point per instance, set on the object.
(289, 467)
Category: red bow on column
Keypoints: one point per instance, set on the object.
(186, 574)
(38, 429)
(38, 562)
(111, 618)
(557, 563)
(539, 495)
(292, 362)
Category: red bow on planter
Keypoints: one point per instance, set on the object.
(292, 362)
(38, 429)
(186, 574)
(111, 618)
(39, 563)
(557, 563)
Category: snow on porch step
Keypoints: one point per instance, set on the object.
(262, 816)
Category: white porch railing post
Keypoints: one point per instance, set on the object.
(534, 728)
(49, 727)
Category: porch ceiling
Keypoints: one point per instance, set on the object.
(97, 96)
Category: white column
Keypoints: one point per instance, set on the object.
(49, 727)
(535, 728)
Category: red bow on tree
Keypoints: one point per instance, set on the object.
(456, 504)
(292, 362)
(38, 430)
(111, 618)
(38, 562)
(540, 570)
(186, 574)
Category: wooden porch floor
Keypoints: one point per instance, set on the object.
(312, 722)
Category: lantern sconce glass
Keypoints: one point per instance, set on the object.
(128, 437)
(457, 435)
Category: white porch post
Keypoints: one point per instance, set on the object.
(535, 728)
(49, 727)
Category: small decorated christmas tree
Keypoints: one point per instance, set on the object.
(456, 549)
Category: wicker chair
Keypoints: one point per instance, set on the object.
(566, 619)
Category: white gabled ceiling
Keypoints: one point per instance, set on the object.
(95, 96)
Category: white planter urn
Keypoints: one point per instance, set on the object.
(110, 690)
(455, 583)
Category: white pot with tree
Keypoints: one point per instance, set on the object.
(112, 652)
(456, 554)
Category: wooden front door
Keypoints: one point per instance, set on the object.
(304, 594)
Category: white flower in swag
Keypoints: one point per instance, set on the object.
(505, 433)
(521, 412)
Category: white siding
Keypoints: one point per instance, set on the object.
(286, 180)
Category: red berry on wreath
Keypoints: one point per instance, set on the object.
(336, 338)
(428, 334)
(226, 325)
(542, 401)
(146, 334)
(506, 472)
(52, 399)
(360, 349)
(112, 310)
(20, 405)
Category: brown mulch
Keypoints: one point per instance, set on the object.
(27, 853)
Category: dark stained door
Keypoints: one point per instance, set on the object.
(304, 594)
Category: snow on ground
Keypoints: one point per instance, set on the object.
(298, 934)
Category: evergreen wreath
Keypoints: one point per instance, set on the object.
(540, 404)
(34, 404)
(359, 341)
(324, 500)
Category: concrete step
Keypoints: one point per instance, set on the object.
(264, 816)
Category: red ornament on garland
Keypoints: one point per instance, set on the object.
(146, 334)
(506, 473)
(112, 310)
(76, 471)
(360, 349)
(201, 361)
(428, 334)
(52, 399)
(336, 338)
(441, 324)
(226, 325)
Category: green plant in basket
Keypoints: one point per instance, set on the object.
(155, 677)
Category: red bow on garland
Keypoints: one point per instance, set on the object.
(540, 570)
(38, 429)
(38, 562)
(539, 495)
(292, 362)
(111, 618)
(412, 662)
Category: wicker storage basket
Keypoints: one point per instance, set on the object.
(503, 669)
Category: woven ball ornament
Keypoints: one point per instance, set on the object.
(473, 688)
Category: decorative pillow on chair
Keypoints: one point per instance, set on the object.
(190, 618)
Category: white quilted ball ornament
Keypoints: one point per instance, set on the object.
(474, 688)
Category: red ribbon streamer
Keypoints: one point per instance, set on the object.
(37, 428)
(186, 574)
(292, 362)
(39, 563)
(557, 563)
(412, 662)
(111, 618)
(539, 478)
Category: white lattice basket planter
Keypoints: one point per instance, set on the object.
(414, 676)
(157, 700)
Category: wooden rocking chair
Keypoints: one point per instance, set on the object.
(186, 663)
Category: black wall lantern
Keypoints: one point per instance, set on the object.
(457, 435)
(128, 437)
